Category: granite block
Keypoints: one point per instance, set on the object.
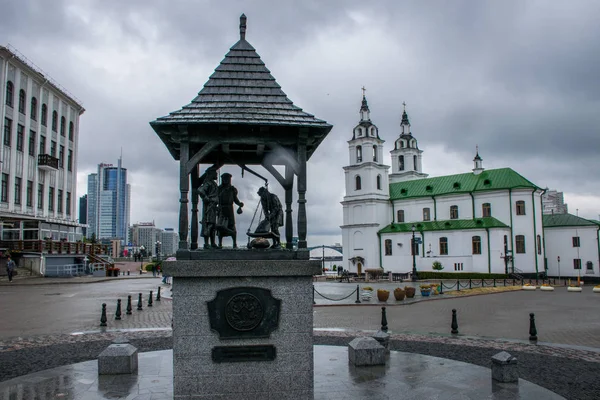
(291, 395)
(243, 254)
(241, 268)
(505, 368)
(303, 380)
(366, 351)
(118, 359)
(296, 323)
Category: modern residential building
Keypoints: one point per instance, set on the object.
(554, 203)
(40, 122)
(108, 204)
(83, 212)
(170, 242)
(145, 234)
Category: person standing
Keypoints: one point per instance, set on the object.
(209, 193)
(228, 195)
(273, 213)
(10, 268)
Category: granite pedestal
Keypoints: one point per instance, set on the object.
(242, 324)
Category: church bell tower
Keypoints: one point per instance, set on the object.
(406, 156)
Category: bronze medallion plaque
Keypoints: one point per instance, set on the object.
(244, 312)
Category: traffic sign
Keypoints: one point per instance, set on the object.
(418, 241)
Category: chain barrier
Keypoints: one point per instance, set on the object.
(330, 299)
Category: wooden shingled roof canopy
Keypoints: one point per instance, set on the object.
(241, 117)
(243, 108)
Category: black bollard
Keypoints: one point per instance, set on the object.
(103, 316)
(494, 282)
(140, 302)
(150, 299)
(384, 326)
(454, 325)
(128, 309)
(118, 313)
(158, 294)
(127, 273)
(357, 294)
(532, 329)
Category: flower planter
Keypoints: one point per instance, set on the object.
(410, 292)
(365, 295)
(547, 288)
(425, 292)
(529, 287)
(573, 289)
(399, 294)
(383, 295)
(596, 290)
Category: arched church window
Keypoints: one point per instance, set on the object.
(44, 115)
(453, 212)
(33, 112)
(388, 247)
(520, 207)
(486, 209)
(415, 162)
(10, 93)
(413, 143)
(443, 246)
(358, 153)
(426, 214)
(374, 153)
(402, 144)
(378, 182)
(400, 215)
(22, 101)
(359, 131)
(400, 163)
(372, 131)
(358, 182)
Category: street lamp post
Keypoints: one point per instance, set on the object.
(414, 270)
(558, 260)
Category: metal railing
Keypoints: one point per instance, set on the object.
(65, 270)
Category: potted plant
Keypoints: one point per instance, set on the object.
(399, 294)
(410, 292)
(367, 292)
(383, 295)
(596, 289)
(574, 288)
(529, 286)
(425, 290)
(546, 287)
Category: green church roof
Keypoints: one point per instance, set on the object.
(448, 225)
(491, 179)
(559, 220)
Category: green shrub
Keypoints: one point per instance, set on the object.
(459, 275)
(437, 266)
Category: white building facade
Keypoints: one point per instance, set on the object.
(39, 153)
(572, 246)
(485, 221)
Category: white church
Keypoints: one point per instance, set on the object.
(487, 221)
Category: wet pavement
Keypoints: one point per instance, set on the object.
(406, 375)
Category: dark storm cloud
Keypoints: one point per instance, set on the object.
(517, 78)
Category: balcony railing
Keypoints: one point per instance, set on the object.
(54, 247)
(47, 162)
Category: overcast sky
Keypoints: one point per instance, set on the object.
(518, 78)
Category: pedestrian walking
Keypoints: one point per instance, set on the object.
(154, 270)
(10, 268)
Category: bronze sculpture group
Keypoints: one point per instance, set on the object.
(218, 217)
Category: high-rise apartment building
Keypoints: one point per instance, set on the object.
(145, 234)
(83, 211)
(40, 134)
(108, 202)
(553, 202)
(170, 242)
